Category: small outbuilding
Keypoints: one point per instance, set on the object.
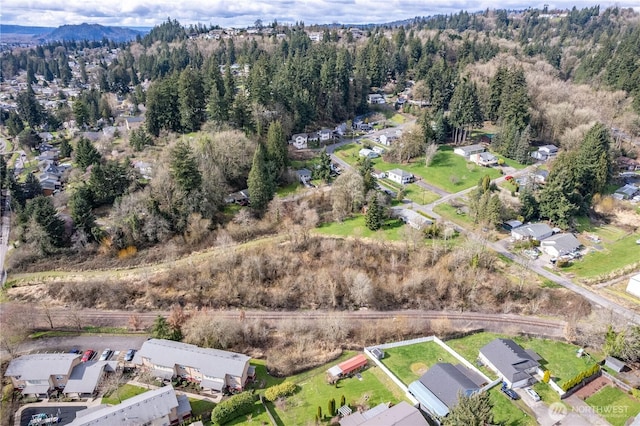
(347, 367)
(634, 285)
(615, 364)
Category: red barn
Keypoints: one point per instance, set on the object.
(347, 367)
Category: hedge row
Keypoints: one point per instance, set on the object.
(233, 407)
(580, 377)
(281, 390)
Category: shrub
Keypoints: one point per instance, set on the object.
(233, 407)
(281, 390)
(574, 381)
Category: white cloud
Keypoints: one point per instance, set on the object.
(53, 13)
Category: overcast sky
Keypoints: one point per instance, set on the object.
(242, 13)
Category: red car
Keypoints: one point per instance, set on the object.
(88, 355)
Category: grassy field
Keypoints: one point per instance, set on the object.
(355, 227)
(448, 171)
(301, 408)
(614, 405)
(615, 255)
(410, 362)
(258, 416)
(449, 212)
(125, 391)
(558, 357)
(507, 412)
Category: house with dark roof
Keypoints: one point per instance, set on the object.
(438, 389)
(510, 361)
(161, 406)
(560, 245)
(213, 369)
(39, 374)
(401, 414)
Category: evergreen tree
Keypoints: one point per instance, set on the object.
(65, 148)
(277, 148)
(365, 168)
(184, 168)
(324, 170)
(593, 162)
(521, 150)
(191, 99)
(495, 93)
(107, 182)
(44, 215)
(260, 183)
(374, 218)
(514, 101)
(472, 410)
(29, 108)
(529, 208)
(139, 138)
(32, 187)
(81, 211)
(86, 153)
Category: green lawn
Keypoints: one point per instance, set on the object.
(258, 416)
(615, 255)
(410, 362)
(449, 212)
(292, 188)
(507, 412)
(559, 357)
(447, 171)
(314, 392)
(125, 391)
(202, 409)
(614, 405)
(508, 162)
(355, 227)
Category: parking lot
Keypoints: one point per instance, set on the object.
(65, 413)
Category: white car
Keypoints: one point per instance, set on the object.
(533, 394)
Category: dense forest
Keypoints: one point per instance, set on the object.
(218, 113)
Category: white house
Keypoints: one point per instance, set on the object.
(515, 365)
(325, 134)
(467, 151)
(386, 139)
(400, 176)
(545, 152)
(375, 98)
(634, 285)
(559, 244)
(378, 149)
(368, 153)
(485, 159)
(299, 140)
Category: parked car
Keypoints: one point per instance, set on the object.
(509, 392)
(129, 355)
(533, 394)
(89, 353)
(105, 354)
(75, 351)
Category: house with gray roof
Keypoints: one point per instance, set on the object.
(213, 369)
(560, 245)
(469, 150)
(161, 406)
(532, 231)
(86, 376)
(39, 374)
(401, 414)
(438, 389)
(510, 361)
(400, 176)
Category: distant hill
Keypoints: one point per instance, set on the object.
(91, 32)
(19, 29)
